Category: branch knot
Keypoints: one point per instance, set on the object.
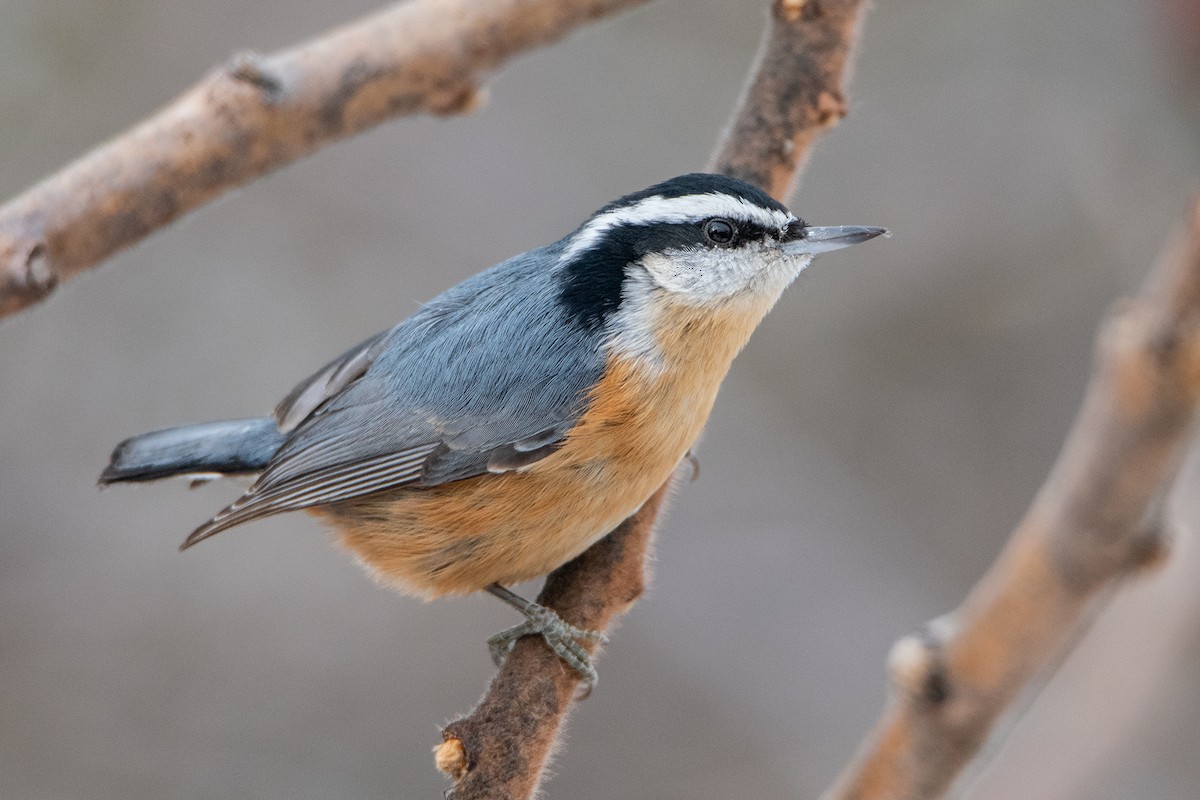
(916, 667)
(26, 271)
(250, 67)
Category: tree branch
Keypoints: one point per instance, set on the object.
(1095, 521)
(258, 113)
(794, 93)
(499, 750)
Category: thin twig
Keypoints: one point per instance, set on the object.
(258, 113)
(1095, 521)
(499, 750)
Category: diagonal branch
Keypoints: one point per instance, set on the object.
(499, 750)
(258, 113)
(1095, 521)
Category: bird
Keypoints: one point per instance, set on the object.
(520, 416)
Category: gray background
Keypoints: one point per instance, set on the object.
(869, 454)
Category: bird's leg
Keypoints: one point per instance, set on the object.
(561, 638)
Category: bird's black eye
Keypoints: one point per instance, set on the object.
(720, 231)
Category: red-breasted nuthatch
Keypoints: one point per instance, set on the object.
(523, 414)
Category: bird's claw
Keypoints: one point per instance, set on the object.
(562, 638)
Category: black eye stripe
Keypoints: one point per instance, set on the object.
(594, 277)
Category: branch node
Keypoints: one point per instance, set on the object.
(38, 275)
(1152, 550)
(796, 10)
(1165, 344)
(464, 100)
(831, 109)
(250, 67)
(27, 271)
(451, 757)
(915, 665)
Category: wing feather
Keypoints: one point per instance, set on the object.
(330, 485)
(327, 382)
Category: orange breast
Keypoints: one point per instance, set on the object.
(641, 420)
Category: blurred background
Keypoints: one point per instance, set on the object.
(870, 453)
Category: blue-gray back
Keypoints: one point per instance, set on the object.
(488, 376)
(489, 362)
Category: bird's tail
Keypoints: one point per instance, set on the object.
(230, 447)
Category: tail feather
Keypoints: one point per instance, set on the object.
(229, 447)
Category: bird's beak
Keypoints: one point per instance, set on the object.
(809, 240)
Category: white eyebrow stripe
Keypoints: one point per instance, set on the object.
(687, 208)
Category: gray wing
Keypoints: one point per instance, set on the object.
(311, 393)
(482, 379)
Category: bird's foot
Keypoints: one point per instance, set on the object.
(563, 639)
